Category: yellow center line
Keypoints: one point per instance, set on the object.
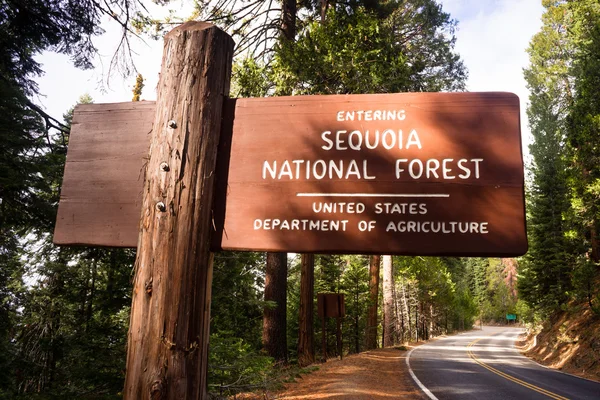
(510, 377)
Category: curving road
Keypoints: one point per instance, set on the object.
(485, 365)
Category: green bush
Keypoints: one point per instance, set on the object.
(234, 367)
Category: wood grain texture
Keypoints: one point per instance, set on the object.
(167, 350)
(101, 196)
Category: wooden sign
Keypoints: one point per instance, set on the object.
(408, 174)
(331, 305)
(101, 195)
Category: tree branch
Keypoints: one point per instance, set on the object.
(50, 121)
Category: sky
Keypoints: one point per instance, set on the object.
(492, 39)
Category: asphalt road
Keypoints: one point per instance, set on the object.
(485, 365)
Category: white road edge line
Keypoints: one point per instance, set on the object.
(417, 381)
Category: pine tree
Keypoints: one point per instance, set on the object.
(583, 134)
(137, 89)
(544, 276)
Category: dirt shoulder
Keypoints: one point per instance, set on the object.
(372, 375)
(375, 374)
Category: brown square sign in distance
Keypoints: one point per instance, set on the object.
(408, 174)
(331, 305)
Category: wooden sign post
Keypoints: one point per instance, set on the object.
(331, 305)
(169, 328)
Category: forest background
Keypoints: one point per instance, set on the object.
(64, 311)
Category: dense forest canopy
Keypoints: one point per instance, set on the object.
(64, 312)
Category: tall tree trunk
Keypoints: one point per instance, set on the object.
(288, 23)
(356, 320)
(431, 325)
(374, 263)
(407, 310)
(388, 301)
(274, 336)
(594, 241)
(167, 350)
(446, 322)
(110, 277)
(90, 301)
(398, 318)
(324, 5)
(417, 321)
(402, 327)
(306, 339)
(424, 331)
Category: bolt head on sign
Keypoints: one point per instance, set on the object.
(408, 174)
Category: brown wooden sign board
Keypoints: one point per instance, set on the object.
(331, 305)
(408, 174)
(101, 195)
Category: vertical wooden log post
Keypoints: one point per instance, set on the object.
(168, 334)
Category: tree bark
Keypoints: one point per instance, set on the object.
(274, 335)
(417, 321)
(288, 23)
(168, 334)
(398, 318)
(431, 325)
(388, 301)
(356, 321)
(594, 240)
(407, 310)
(306, 339)
(324, 6)
(374, 263)
(90, 302)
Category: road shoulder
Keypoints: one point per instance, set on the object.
(375, 374)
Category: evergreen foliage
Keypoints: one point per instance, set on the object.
(563, 263)
(355, 51)
(137, 89)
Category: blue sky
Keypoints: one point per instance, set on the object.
(492, 38)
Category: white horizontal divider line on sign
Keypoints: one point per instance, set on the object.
(372, 195)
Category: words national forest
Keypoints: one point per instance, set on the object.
(299, 200)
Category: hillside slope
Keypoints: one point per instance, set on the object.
(569, 342)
